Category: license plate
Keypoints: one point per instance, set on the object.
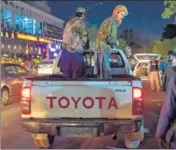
(78, 131)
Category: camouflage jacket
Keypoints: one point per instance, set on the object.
(75, 35)
(107, 35)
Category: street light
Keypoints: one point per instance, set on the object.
(89, 7)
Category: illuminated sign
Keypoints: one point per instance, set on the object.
(33, 38)
(26, 37)
(44, 40)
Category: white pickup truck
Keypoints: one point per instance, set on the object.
(53, 105)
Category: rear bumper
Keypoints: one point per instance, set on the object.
(104, 126)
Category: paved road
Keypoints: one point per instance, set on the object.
(13, 137)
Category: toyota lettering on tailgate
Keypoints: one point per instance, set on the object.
(87, 102)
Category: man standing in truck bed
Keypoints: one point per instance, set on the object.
(75, 38)
(107, 38)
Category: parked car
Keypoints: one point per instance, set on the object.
(12, 76)
(48, 66)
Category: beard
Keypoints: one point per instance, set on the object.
(119, 21)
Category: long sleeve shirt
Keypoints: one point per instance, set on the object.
(75, 35)
(107, 35)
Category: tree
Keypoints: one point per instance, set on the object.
(164, 46)
(170, 31)
(124, 46)
(130, 36)
(170, 9)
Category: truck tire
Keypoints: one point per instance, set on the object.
(43, 140)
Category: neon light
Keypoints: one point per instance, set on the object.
(44, 40)
(32, 38)
(26, 37)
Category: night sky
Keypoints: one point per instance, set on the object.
(144, 16)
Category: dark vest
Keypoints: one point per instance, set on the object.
(154, 66)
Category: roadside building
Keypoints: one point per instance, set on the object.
(28, 28)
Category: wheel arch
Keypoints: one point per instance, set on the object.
(6, 87)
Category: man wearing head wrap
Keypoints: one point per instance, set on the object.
(107, 38)
(75, 40)
(166, 129)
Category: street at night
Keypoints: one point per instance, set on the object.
(14, 137)
(88, 74)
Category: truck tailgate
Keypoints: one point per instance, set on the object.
(81, 99)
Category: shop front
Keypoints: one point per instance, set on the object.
(20, 43)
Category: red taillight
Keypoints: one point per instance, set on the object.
(26, 100)
(137, 108)
(137, 93)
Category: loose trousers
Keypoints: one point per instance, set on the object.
(71, 64)
(154, 80)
